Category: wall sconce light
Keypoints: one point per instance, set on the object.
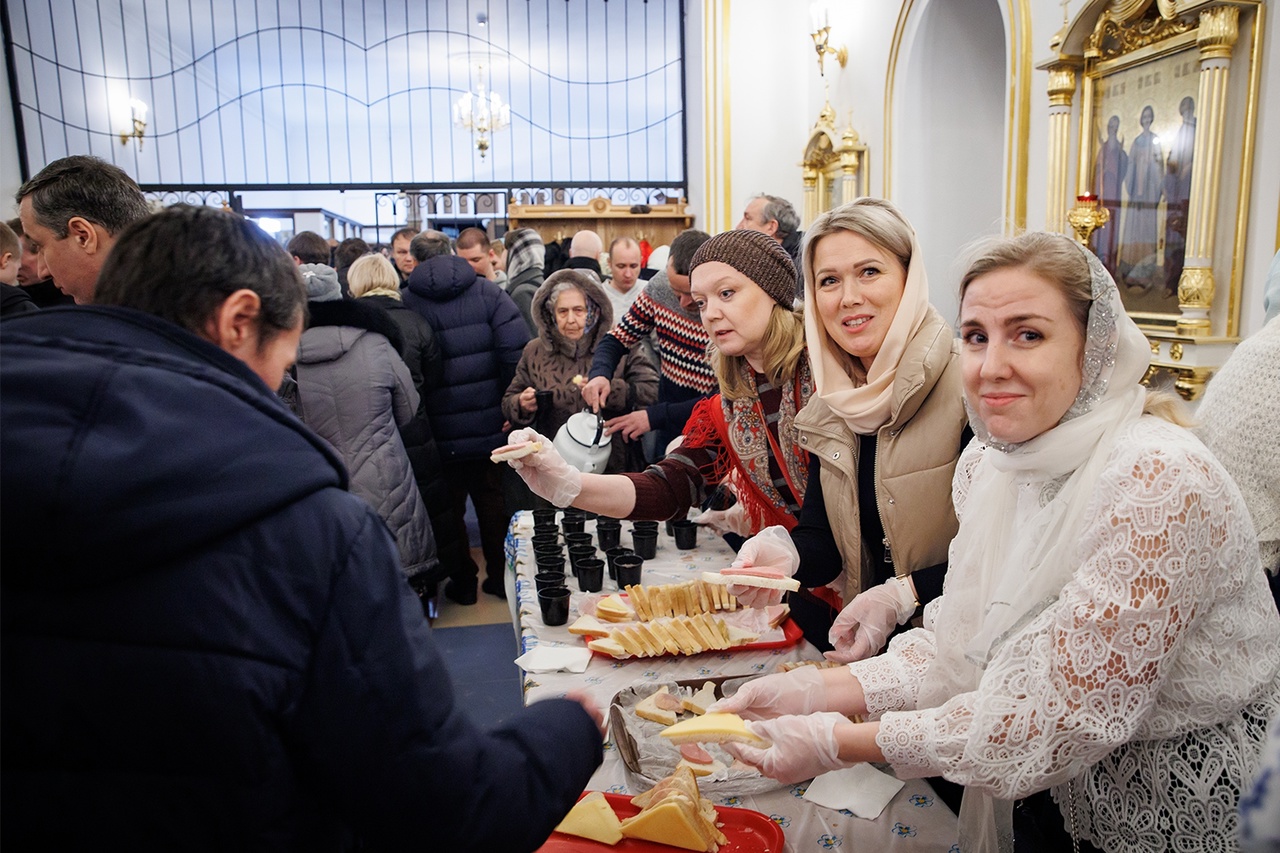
(138, 111)
(819, 15)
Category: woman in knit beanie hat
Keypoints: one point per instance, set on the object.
(744, 437)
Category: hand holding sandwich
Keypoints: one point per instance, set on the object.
(546, 473)
(771, 551)
(803, 746)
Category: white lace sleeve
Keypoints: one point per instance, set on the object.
(891, 681)
(1141, 644)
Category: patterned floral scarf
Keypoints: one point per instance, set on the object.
(739, 425)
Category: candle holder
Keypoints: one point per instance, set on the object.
(1086, 217)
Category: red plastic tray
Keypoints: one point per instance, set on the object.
(747, 831)
(791, 634)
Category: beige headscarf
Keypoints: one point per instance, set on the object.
(862, 398)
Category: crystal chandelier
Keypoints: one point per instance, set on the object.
(481, 112)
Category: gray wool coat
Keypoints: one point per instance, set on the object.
(355, 391)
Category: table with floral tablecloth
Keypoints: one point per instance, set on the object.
(915, 820)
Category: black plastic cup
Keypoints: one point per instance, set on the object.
(571, 524)
(645, 543)
(544, 518)
(644, 525)
(580, 552)
(608, 535)
(590, 574)
(545, 550)
(547, 579)
(554, 602)
(551, 537)
(546, 530)
(551, 564)
(612, 555)
(686, 533)
(670, 528)
(629, 569)
(572, 539)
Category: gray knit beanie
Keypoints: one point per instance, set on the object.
(322, 282)
(757, 256)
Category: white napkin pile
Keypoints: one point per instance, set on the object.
(554, 659)
(861, 789)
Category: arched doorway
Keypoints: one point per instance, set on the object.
(950, 131)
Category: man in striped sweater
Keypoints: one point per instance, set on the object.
(666, 310)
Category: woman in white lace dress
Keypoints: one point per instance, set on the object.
(1105, 629)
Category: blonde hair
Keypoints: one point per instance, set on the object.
(373, 275)
(1058, 261)
(783, 346)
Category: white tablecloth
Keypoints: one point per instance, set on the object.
(915, 820)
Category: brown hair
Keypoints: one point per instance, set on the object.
(1058, 260)
(310, 248)
(9, 244)
(472, 237)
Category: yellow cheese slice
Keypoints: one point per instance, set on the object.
(589, 626)
(716, 727)
(673, 821)
(593, 818)
(613, 609)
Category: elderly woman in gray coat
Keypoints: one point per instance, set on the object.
(571, 314)
(356, 391)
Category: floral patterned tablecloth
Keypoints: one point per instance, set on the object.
(915, 820)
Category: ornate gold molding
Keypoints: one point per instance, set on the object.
(1111, 38)
(1218, 31)
(1062, 85)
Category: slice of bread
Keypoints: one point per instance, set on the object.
(612, 608)
(589, 626)
(648, 709)
(698, 702)
(608, 646)
(790, 584)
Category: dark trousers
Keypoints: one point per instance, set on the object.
(482, 481)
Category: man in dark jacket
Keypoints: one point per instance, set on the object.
(207, 642)
(481, 336)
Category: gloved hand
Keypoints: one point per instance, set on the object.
(722, 521)
(803, 746)
(771, 548)
(546, 473)
(801, 691)
(861, 628)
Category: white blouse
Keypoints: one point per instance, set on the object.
(1149, 682)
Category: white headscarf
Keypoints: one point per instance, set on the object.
(999, 576)
(865, 401)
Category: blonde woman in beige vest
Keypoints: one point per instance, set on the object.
(884, 429)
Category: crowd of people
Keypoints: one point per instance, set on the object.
(236, 473)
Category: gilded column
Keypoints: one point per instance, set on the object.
(810, 175)
(1219, 29)
(1062, 87)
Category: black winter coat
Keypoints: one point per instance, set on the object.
(206, 640)
(481, 335)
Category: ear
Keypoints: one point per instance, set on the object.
(234, 324)
(89, 237)
(772, 225)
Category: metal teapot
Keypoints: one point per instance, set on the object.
(583, 443)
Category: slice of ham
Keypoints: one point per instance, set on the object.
(668, 702)
(753, 572)
(695, 754)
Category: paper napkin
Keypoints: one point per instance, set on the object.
(861, 789)
(554, 659)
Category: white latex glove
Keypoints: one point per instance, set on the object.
(771, 548)
(803, 747)
(546, 473)
(861, 628)
(803, 690)
(722, 521)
